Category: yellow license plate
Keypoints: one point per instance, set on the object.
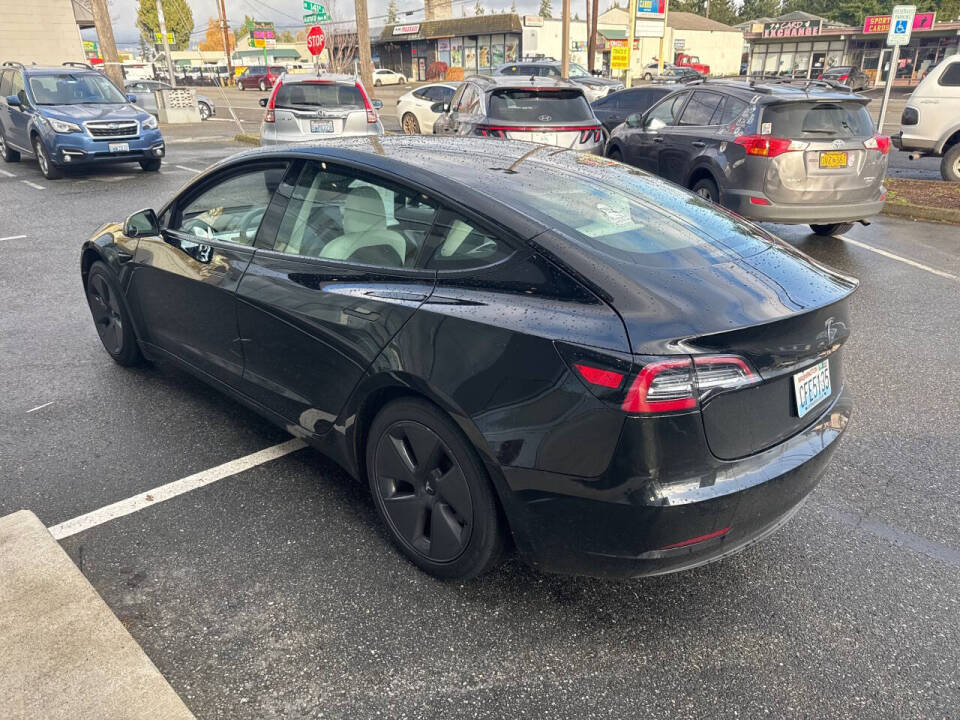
(833, 159)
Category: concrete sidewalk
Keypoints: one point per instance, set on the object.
(63, 653)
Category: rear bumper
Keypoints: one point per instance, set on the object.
(270, 138)
(740, 202)
(637, 527)
(913, 143)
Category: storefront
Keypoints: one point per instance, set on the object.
(427, 50)
(805, 48)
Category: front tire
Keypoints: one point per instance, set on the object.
(204, 111)
(432, 491)
(240, 86)
(950, 164)
(707, 189)
(832, 229)
(49, 170)
(263, 86)
(8, 153)
(410, 124)
(151, 165)
(110, 316)
(647, 76)
(615, 154)
(377, 83)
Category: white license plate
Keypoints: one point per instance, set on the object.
(321, 126)
(812, 386)
(119, 147)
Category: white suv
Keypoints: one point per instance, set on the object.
(930, 123)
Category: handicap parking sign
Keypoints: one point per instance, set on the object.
(901, 23)
(901, 27)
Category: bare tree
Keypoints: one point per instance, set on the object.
(341, 40)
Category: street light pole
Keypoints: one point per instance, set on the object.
(565, 52)
(166, 43)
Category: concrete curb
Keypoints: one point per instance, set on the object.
(247, 139)
(920, 212)
(63, 653)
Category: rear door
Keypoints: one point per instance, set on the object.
(184, 279)
(694, 134)
(322, 298)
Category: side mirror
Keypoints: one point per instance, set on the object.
(263, 102)
(440, 107)
(141, 224)
(634, 120)
(131, 97)
(377, 104)
(13, 101)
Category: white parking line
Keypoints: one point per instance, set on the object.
(13, 237)
(173, 489)
(902, 259)
(40, 407)
(188, 169)
(7, 174)
(33, 185)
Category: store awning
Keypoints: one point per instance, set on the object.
(613, 33)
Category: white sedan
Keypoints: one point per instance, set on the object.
(383, 76)
(414, 108)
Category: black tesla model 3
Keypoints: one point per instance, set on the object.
(512, 343)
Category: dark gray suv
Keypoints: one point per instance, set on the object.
(800, 152)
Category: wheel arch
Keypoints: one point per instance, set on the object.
(701, 172)
(951, 138)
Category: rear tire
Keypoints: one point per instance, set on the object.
(240, 86)
(410, 124)
(707, 189)
(647, 76)
(49, 170)
(8, 153)
(263, 86)
(151, 165)
(833, 229)
(377, 83)
(950, 164)
(615, 154)
(110, 316)
(432, 491)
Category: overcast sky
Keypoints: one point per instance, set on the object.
(123, 13)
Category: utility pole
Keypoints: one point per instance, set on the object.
(565, 53)
(108, 46)
(363, 45)
(632, 22)
(666, 14)
(166, 43)
(592, 47)
(225, 32)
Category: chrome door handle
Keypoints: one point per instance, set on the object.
(698, 144)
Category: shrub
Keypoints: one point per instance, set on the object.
(437, 70)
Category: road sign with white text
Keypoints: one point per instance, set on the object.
(901, 23)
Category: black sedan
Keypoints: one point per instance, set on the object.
(513, 345)
(615, 107)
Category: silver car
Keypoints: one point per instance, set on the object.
(306, 108)
(145, 90)
(542, 110)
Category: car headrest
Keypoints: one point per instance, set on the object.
(363, 210)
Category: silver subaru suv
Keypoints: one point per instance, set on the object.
(307, 108)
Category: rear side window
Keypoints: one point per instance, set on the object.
(732, 109)
(463, 245)
(294, 95)
(951, 76)
(701, 108)
(816, 120)
(539, 106)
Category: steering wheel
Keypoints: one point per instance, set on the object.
(195, 224)
(252, 218)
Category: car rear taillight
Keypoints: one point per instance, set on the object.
(489, 132)
(719, 373)
(878, 142)
(843, 78)
(590, 134)
(766, 146)
(368, 106)
(270, 115)
(599, 376)
(662, 386)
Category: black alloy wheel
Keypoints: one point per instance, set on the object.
(110, 316)
(831, 229)
(432, 491)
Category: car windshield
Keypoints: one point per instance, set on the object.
(311, 94)
(578, 71)
(75, 89)
(817, 119)
(539, 106)
(637, 220)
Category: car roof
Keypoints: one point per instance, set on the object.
(290, 78)
(492, 82)
(775, 89)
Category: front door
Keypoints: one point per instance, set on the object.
(645, 144)
(321, 300)
(184, 280)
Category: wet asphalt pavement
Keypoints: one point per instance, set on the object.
(275, 594)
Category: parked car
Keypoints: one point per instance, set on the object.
(145, 90)
(684, 60)
(72, 116)
(780, 152)
(415, 108)
(614, 108)
(262, 78)
(593, 86)
(307, 108)
(537, 109)
(671, 73)
(930, 122)
(852, 77)
(531, 344)
(383, 76)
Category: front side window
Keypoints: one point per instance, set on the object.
(525, 105)
(339, 215)
(666, 112)
(231, 210)
(463, 245)
(75, 89)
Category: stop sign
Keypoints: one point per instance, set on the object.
(316, 40)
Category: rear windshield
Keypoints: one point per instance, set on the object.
(539, 106)
(817, 120)
(296, 95)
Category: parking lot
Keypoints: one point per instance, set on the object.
(274, 592)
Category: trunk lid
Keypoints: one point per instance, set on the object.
(314, 110)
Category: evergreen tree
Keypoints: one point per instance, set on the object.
(545, 9)
(478, 9)
(244, 29)
(753, 9)
(513, 7)
(392, 13)
(177, 16)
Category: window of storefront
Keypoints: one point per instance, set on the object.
(456, 52)
(483, 53)
(443, 51)
(756, 61)
(496, 50)
(786, 59)
(511, 47)
(772, 63)
(470, 56)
